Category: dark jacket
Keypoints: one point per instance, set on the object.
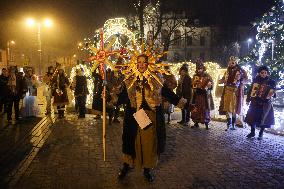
(21, 88)
(81, 88)
(130, 125)
(184, 89)
(3, 85)
(260, 112)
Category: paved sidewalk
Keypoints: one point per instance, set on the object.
(72, 157)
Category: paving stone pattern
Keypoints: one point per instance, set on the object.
(72, 157)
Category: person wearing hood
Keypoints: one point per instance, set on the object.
(260, 112)
(202, 101)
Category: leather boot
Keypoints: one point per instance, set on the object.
(233, 123)
(123, 171)
(207, 126)
(148, 175)
(229, 122)
(252, 132)
(260, 135)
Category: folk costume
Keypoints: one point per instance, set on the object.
(202, 101)
(60, 84)
(260, 112)
(143, 91)
(231, 103)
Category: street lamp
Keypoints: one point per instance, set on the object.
(31, 23)
(9, 43)
(249, 41)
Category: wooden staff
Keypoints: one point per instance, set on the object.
(103, 73)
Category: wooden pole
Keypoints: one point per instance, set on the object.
(104, 122)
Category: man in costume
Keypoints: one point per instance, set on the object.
(143, 92)
(202, 101)
(184, 90)
(260, 113)
(79, 85)
(47, 88)
(233, 93)
(60, 84)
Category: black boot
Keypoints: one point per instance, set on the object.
(195, 125)
(252, 132)
(233, 123)
(229, 122)
(260, 135)
(148, 175)
(123, 171)
(207, 126)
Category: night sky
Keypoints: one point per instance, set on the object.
(76, 19)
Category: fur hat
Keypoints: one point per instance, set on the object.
(234, 58)
(199, 64)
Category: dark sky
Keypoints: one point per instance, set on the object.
(75, 19)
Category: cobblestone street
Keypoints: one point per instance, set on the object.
(70, 156)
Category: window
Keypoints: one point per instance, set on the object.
(202, 56)
(165, 35)
(188, 56)
(177, 57)
(202, 41)
(188, 41)
(177, 38)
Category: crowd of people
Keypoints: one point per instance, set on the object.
(146, 97)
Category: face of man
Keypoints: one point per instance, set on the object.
(4, 72)
(200, 70)
(232, 63)
(142, 64)
(51, 71)
(60, 71)
(263, 73)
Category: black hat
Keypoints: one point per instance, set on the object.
(184, 67)
(263, 68)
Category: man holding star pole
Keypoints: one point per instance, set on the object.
(144, 132)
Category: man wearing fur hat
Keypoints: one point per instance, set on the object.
(184, 90)
(233, 93)
(202, 101)
(47, 89)
(60, 83)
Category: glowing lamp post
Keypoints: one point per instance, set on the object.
(9, 43)
(249, 42)
(30, 22)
